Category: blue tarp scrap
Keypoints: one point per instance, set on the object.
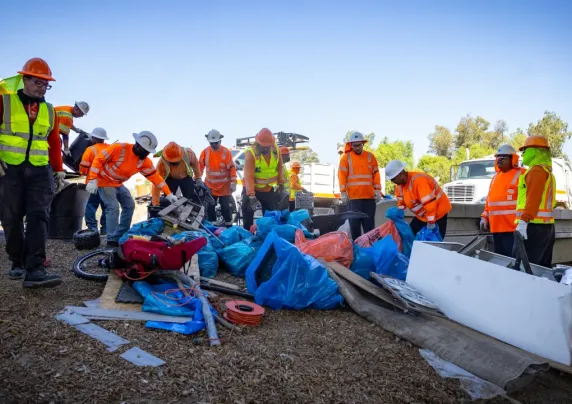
(298, 281)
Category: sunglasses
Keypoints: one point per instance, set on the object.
(40, 83)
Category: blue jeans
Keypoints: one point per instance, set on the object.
(93, 203)
(112, 198)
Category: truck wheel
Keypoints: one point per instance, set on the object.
(86, 239)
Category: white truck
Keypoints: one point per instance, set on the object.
(470, 181)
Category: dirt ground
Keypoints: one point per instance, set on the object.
(294, 357)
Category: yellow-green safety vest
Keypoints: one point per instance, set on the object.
(293, 191)
(545, 213)
(265, 174)
(186, 160)
(287, 177)
(15, 132)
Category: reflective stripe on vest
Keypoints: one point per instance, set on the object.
(109, 170)
(418, 206)
(86, 163)
(220, 175)
(62, 127)
(545, 214)
(293, 191)
(15, 132)
(265, 174)
(186, 160)
(503, 207)
(354, 180)
(287, 177)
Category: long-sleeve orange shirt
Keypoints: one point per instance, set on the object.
(177, 172)
(535, 181)
(88, 157)
(65, 119)
(55, 149)
(249, 167)
(358, 175)
(117, 163)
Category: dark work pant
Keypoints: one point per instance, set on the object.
(187, 186)
(540, 243)
(366, 206)
(503, 243)
(268, 200)
(224, 202)
(416, 225)
(26, 191)
(291, 206)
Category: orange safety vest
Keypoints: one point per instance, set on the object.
(358, 175)
(500, 206)
(88, 157)
(219, 166)
(423, 196)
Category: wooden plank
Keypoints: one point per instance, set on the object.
(107, 299)
(219, 283)
(363, 284)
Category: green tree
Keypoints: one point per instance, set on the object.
(554, 129)
(369, 137)
(470, 131)
(437, 166)
(441, 142)
(397, 150)
(304, 156)
(496, 137)
(476, 151)
(517, 138)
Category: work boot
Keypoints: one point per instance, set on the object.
(39, 278)
(103, 232)
(16, 272)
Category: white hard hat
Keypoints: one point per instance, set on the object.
(340, 150)
(506, 149)
(393, 168)
(99, 133)
(146, 140)
(356, 137)
(214, 136)
(83, 106)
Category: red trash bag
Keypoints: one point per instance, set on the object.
(366, 240)
(334, 246)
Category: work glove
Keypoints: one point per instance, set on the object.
(378, 196)
(3, 168)
(172, 198)
(484, 225)
(521, 228)
(91, 187)
(345, 199)
(67, 152)
(430, 226)
(59, 179)
(232, 187)
(199, 182)
(253, 202)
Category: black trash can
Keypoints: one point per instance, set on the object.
(77, 148)
(67, 212)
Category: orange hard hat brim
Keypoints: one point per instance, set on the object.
(40, 76)
(523, 148)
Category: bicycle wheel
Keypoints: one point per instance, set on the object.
(93, 266)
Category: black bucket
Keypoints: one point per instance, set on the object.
(77, 148)
(67, 212)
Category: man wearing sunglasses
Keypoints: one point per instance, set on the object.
(499, 214)
(66, 114)
(29, 157)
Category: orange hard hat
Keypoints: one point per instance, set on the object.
(535, 141)
(173, 152)
(265, 138)
(37, 67)
(296, 164)
(284, 150)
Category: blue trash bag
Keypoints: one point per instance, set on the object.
(237, 257)
(388, 260)
(429, 235)
(151, 227)
(363, 262)
(209, 226)
(208, 258)
(265, 225)
(297, 280)
(405, 232)
(233, 235)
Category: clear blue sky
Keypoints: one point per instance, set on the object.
(319, 68)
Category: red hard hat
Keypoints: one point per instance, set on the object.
(265, 138)
(173, 152)
(37, 67)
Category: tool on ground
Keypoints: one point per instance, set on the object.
(243, 312)
(228, 291)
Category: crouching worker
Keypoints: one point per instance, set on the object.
(98, 138)
(295, 184)
(420, 193)
(111, 168)
(499, 214)
(180, 169)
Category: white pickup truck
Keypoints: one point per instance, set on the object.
(470, 183)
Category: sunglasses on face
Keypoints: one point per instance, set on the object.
(503, 157)
(40, 83)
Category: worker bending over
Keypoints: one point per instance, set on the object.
(535, 203)
(360, 186)
(111, 168)
(180, 168)
(98, 138)
(29, 145)
(420, 193)
(283, 198)
(220, 176)
(295, 184)
(263, 176)
(500, 207)
(66, 114)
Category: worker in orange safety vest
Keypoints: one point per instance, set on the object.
(220, 176)
(295, 184)
(499, 214)
(66, 115)
(360, 184)
(98, 138)
(420, 193)
(111, 168)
